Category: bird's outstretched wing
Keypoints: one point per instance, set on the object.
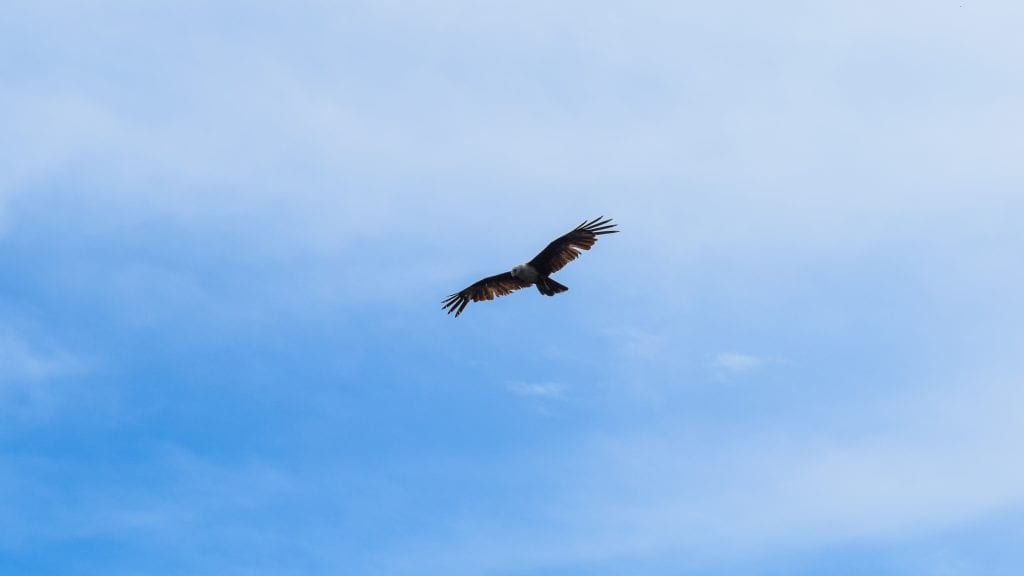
(566, 248)
(487, 289)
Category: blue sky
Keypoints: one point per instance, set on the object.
(226, 229)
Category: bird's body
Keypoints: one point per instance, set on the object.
(553, 258)
(525, 272)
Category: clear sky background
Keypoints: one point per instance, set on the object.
(226, 229)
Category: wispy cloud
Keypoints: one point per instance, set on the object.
(186, 488)
(735, 362)
(753, 498)
(638, 343)
(546, 390)
(27, 371)
(23, 362)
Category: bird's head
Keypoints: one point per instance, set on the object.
(516, 270)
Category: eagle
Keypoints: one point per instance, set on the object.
(558, 253)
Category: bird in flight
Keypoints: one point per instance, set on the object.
(558, 253)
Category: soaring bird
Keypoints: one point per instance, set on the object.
(558, 253)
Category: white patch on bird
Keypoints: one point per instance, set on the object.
(525, 272)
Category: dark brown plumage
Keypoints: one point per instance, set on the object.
(566, 247)
(551, 259)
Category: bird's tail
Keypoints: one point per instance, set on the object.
(549, 287)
